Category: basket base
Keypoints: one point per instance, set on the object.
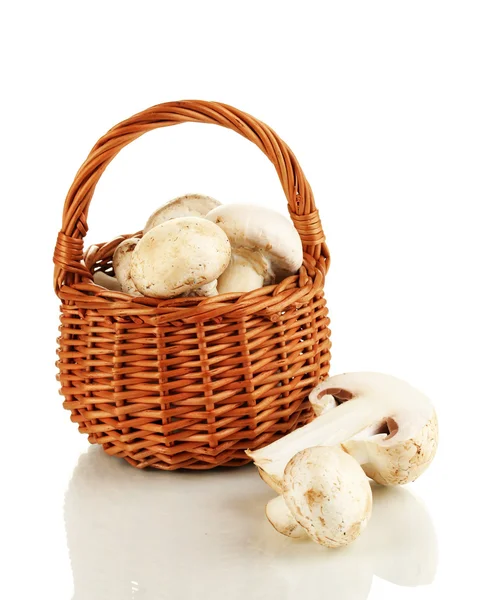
(225, 455)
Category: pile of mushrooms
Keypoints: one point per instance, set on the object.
(367, 425)
(195, 246)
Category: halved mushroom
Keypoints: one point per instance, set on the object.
(179, 256)
(121, 261)
(266, 247)
(388, 426)
(326, 494)
(190, 205)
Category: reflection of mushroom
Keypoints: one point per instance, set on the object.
(137, 549)
(389, 427)
(121, 261)
(327, 494)
(266, 247)
(190, 205)
(107, 281)
(401, 524)
(179, 256)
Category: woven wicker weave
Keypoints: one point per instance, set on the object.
(189, 382)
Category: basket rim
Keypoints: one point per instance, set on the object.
(270, 301)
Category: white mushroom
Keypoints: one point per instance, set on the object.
(107, 281)
(266, 247)
(190, 205)
(179, 256)
(389, 427)
(327, 495)
(121, 261)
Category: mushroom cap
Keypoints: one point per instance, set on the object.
(258, 229)
(390, 463)
(121, 261)
(189, 205)
(328, 494)
(178, 256)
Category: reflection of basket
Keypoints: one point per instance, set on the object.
(189, 382)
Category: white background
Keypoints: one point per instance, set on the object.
(382, 102)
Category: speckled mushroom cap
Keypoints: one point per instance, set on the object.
(190, 205)
(179, 255)
(258, 229)
(328, 494)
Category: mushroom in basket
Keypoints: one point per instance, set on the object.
(266, 247)
(180, 256)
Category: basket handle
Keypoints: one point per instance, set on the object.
(68, 255)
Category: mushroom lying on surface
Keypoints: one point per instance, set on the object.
(190, 205)
(388, 426)
(266, 247)
(121, 261)
(179, 256)
(326, 495)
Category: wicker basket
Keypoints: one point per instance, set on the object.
(189, 382)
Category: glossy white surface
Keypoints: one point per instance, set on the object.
(205, 535)
(381, 103)
(88, 526)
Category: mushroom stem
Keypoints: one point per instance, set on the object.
(282, 519)
(242, 275)
(107, 281)
(389, 427)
